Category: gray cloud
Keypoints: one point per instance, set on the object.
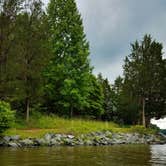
(111, 25)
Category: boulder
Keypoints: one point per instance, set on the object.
(27, 142)
(7, 138)
(54, 142)
(1, 143)
(15, 137)
(13, 144)
(48, 137)
(41, 142)
(70, 136)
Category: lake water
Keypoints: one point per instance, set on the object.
(121, 155)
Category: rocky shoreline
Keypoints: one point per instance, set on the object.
(91, 139)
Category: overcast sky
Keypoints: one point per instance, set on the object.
(111, 25)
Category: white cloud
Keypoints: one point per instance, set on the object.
(161, 123)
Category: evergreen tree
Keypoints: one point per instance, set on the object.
(125, 104)
(118, 85)
(31, 55)
(95, 108)
(9, 10)
(108, 94)
(144, 77)
(68, 72)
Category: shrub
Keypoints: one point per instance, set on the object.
(142, 130)
(7, 116)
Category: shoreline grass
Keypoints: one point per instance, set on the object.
(40, 125)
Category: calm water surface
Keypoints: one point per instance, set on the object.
(123, 155)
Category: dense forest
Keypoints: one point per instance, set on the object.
(45, 67)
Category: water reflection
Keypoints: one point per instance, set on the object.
(123, 155)
(158, 155)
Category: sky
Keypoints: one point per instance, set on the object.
(161, 123)
(112, 25)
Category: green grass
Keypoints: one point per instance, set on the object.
(40, 125)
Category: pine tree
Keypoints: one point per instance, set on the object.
(95, 108)
(108, 98)
(144, 78)
(9, 10)
(30, 55)
(127, 108)
(68, 72)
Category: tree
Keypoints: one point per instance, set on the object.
(6, 116)
(95, 100)
(32, 55)
(144, 77)
(68, 72)
(9, 10)
(118, 85)
(108, 95)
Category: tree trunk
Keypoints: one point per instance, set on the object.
(143, 113)
(71, 111)
(27, 109)
(148, 122)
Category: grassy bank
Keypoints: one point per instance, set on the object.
(40, 125)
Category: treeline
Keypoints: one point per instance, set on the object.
(45, 66)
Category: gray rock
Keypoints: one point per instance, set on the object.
(48, 137)
(58, 136)
(88, 142)
(70, 136)
(27, 142)
(68, 141)
(41, 142)
(13, 144)
(1, 143)
(80, 141)
(7, 138)
(108, 134)
(15, 137)
(54, 142)
(94, 138)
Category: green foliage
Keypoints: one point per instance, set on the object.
(155, 127)
(8, 14)
(44, 64)
(142, 130)
(68, 73)
(41, 124)
(95, 100)
(144, 78)
(32, 56)
(125, 106)
(108, 99)
(6, 116)
(127, 110)
(23, 52)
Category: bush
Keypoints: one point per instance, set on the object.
(7, 116)
(142, 130)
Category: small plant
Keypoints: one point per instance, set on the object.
(6, 116)
(142, 130)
